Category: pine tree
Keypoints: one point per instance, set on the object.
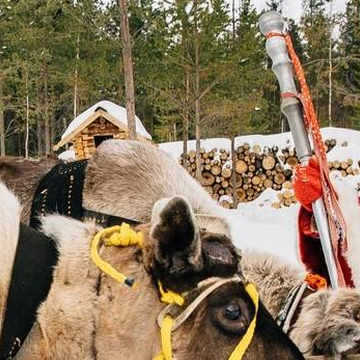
(315, 26)
(275, 5)
(349, 87)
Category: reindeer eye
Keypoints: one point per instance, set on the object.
(233, 312)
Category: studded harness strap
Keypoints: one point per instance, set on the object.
(290, 311)
(61, 191)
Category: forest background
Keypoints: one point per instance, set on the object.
(198, 66)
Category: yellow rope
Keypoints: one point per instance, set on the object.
(166, 339)
(124, 236)
(117, 236)
(170, 297)
(244, 343)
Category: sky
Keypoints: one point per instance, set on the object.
(292, 8)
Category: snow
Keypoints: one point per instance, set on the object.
(116, 111)
(257, 225)
(282, 140)
(67, 155)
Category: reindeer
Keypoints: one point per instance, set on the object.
(126, 179)
(326, 322)
(89, 315)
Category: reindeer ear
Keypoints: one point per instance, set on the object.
(177, 240)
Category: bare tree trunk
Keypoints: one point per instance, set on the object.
(233, 20)
(39, 129)
(27, 113)
(46, 100)
(128, 69)
(2, 120)
(64, 129)
(197, 95)
(330, 66)
(175, 132)
(76, 107)
(185, 131)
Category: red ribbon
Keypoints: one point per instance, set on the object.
(337, 225)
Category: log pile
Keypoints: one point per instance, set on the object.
(216, 171)
(255, 170)
(345, 167)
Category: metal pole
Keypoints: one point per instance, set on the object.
(272, 22)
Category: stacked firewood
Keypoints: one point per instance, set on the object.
(216, 171)
(330, 143)
(256, 169)
(345, 167)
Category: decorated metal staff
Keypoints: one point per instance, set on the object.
(300, 113)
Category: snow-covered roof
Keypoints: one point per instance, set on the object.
(116, 113)
(67, 155)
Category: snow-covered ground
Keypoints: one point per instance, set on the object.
(351, 137)
(257, 225)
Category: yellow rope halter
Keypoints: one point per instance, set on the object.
(244, 343)
(124, 236)
(117, 236)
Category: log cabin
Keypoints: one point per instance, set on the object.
(102, 121)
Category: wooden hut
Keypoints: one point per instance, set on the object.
(102, 121)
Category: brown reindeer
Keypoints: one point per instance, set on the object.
(22, 177)
(88, 315)
(327, 322)
(126, 179)
(123, 178)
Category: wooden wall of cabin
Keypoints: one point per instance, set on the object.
(84, 142)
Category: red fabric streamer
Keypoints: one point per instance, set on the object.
(307, 184)
(337, 225)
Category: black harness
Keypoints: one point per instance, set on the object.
(35, 257)
(60, 191)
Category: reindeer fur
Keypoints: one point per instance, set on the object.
(137, 175)
(87, 315)
(328, 322)
(9, 231)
